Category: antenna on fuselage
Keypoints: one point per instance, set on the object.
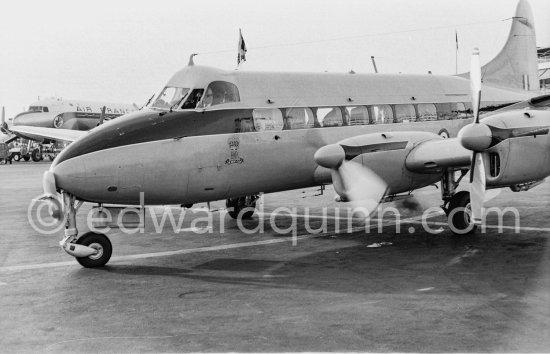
(374, 64)
(191, 62)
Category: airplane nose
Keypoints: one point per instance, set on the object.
(69, 175)
(34, 120)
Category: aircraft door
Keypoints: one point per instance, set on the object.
(207, 177)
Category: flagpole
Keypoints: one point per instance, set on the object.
(456, 53)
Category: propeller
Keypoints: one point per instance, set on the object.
(352, 181)
(476, 137)
(4, 125)
(102, 116)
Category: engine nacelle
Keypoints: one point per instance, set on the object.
(517, 161)
(385, 154)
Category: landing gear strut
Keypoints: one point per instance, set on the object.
(91, 249)
(456, 204)
(245, 205)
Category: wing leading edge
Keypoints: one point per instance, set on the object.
(40, 133)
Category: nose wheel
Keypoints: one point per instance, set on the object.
(103, 248)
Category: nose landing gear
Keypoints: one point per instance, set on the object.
(91, 249)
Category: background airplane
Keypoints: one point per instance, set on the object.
(62, 114)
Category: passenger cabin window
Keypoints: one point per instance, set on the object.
(330, 117)
(298, 118)
(267, 119)
(170, 97)
(244, 125)
(45, 109)
(405, 113)
(426, 111)
(358, 115)
(444, 111)
(459, 110)
(220, 92)
(193, 99)
(382, 114)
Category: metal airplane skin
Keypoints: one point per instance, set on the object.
(232, 135)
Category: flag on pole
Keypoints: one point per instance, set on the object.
(456, 39)
(241, 56)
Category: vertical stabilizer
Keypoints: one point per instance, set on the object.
(516, 64)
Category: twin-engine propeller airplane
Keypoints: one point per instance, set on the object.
(234, 134)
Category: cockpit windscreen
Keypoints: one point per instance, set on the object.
(170, 97)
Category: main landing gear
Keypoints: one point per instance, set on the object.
(245, 206)
(456, 204)
(91, 249)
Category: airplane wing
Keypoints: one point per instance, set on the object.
(40, 133)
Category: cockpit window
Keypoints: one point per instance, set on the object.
(193, 99)
(170, 97)
(38, 109)
(219, 92)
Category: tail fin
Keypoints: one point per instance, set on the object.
(516, 65)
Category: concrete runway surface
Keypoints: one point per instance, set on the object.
(182, 290)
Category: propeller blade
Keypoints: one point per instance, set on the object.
(473, 166)
(362, 186)
(102, 115)
(477, 188)
(475, 83)
(3, 124)
(352, 181)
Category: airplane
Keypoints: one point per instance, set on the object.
(235, 134)
(63, 114)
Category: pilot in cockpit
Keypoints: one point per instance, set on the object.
(193, 100)
(208, 98)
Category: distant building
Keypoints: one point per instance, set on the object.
(544, 68)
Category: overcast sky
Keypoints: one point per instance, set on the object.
(124, 51)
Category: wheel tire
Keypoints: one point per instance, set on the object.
(26, 157)
(99, 242)
(16, 157)
(235, 205)
(460, 220)
(36, 155)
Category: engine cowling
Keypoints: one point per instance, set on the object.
(383, 153)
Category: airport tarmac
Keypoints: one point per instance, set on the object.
(192, 288)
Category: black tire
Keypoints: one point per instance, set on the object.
(16, 157)
(36, 155)
(99, 242)
(236, 205)
(458, 214)
(26, 157)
